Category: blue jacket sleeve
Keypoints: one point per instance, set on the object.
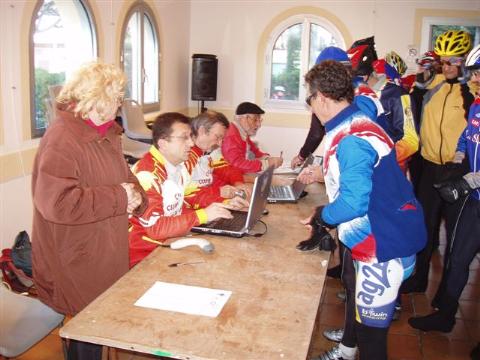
(356, 159)
(462, 142)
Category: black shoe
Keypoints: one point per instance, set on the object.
(335, 272)
(475, 354)
(437, 321)
(413, 285)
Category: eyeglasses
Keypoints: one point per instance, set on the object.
(453, 61)
(185, 138)
(309, 99)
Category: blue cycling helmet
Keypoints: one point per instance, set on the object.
(333, 53)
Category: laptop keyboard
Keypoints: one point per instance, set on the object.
(236, 223)
(279, 192)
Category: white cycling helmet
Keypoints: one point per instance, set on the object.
(473, 59)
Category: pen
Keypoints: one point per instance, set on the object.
(186, 263)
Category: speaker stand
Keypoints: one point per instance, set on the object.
(203, 108)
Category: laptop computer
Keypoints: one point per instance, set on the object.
(289, 193)
(242, 222)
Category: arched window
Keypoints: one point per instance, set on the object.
(140, 56)
(62, 37)
(291, 52)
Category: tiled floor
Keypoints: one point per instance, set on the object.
(403, 343)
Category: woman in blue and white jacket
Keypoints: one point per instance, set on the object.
(370, 201)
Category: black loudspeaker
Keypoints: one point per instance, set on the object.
(204, 77)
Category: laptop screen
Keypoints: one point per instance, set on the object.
(261, 189)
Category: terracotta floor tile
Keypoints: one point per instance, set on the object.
(459, 332)
(50, 348)
(401, 326)
(405, 347)
(332, 315)
(330, 296)
(435, 348)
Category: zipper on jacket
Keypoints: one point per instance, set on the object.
(441, 122)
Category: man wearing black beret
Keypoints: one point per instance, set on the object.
(237, 147)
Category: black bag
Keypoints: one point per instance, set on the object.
(22, 253)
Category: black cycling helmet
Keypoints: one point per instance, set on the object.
(362, 54)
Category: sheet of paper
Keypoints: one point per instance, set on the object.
(185, 299)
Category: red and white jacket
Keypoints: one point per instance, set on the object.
(167, 214)
(240, 151)
(210, 172)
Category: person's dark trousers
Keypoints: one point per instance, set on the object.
(372, 342)
(465, 245)
(336, 271)
(79, 350)
(415, 168)
(434, 208)
(348, 279)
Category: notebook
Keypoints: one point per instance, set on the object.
(242, 222)
(290, 193)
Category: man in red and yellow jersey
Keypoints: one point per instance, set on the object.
(212, 176)
(163, 174)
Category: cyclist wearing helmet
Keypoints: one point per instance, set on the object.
(444, 113)
(398, 113)
(395, 61)
(466, 241)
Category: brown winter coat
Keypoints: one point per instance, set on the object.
(80, 224)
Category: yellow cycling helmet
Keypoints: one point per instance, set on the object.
(394, 60)
(453, 43)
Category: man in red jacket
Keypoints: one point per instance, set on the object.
(238, 149)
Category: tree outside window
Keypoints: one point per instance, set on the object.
(293, 51)
(63, 38)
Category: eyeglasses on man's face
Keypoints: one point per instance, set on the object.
(183, 138)
(309, 99)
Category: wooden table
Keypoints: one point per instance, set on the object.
(271, 314)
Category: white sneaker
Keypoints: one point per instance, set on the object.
(334, 334)
(333, 354)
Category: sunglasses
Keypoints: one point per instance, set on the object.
(454, 61)
(309, 99)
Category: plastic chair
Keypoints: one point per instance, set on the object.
(133, 122)
(24, 322)
(133, 150)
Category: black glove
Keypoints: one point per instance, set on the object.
(320, 237)
(453, 190)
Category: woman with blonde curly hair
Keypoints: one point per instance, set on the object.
(83, 192)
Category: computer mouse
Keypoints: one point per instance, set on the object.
(203, 244)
